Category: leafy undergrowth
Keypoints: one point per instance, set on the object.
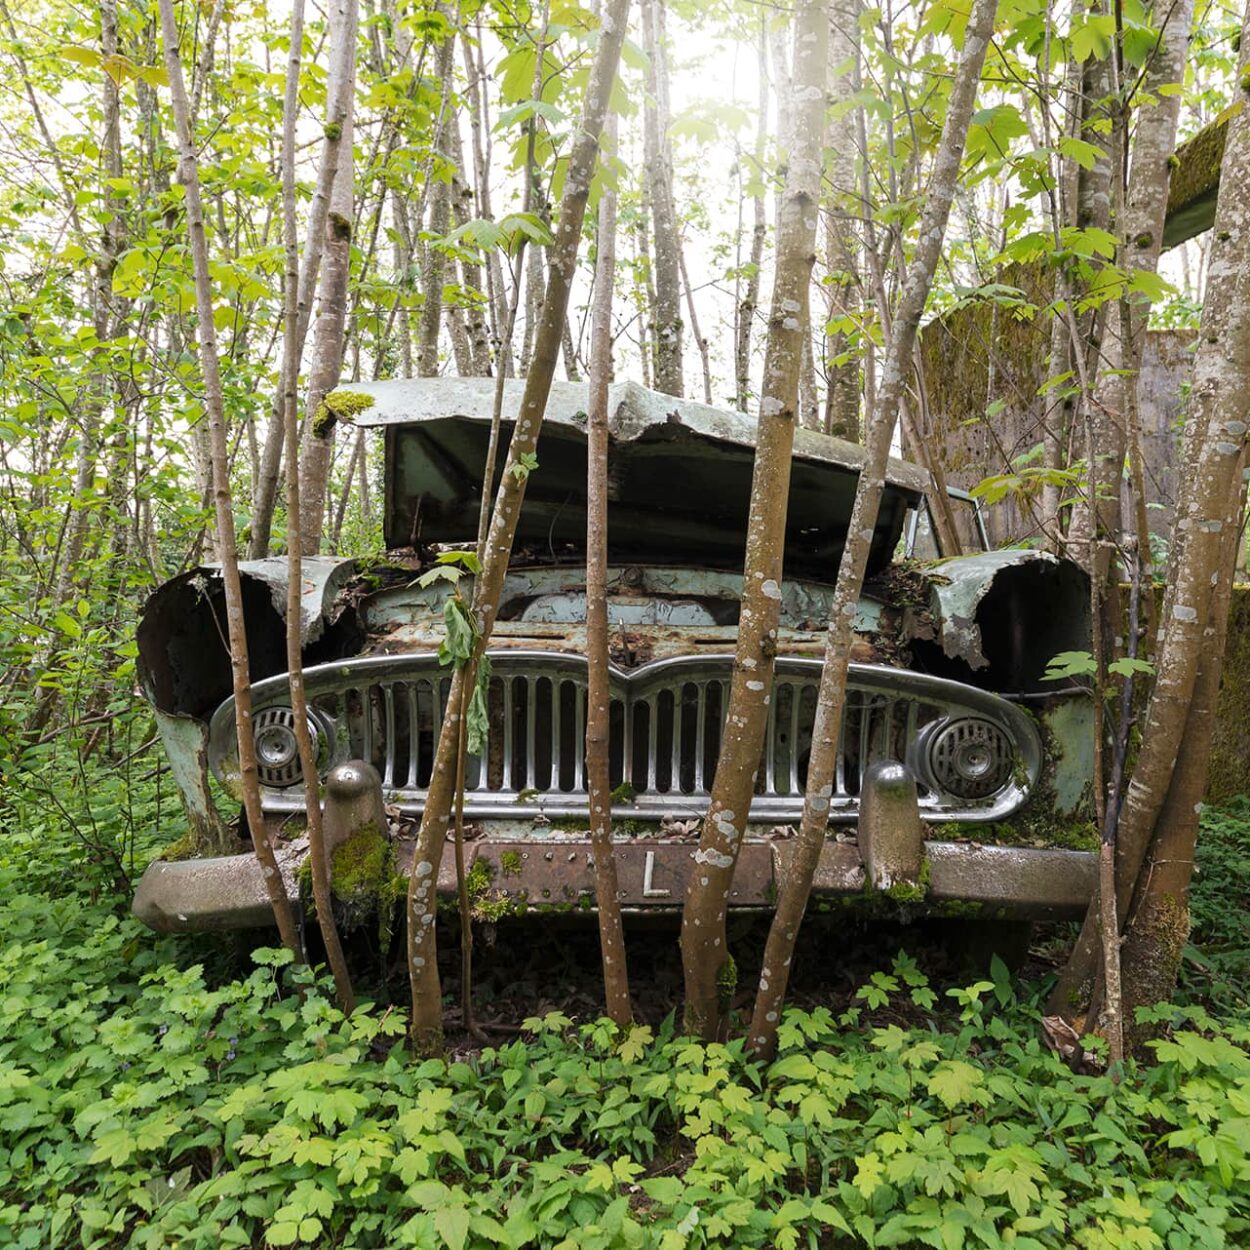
(1217, 961)
(143, 1103)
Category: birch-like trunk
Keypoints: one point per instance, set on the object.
(427, 1023)
(598, 693)
(1140, 229)
(1156, 927)
(188, 175)
(338, 91)
(842, 394)
(329, 333)
(831, 697)
(705, 954)
(433, 259)
(658, 153)
(744, 315)
(295, 581)
(1211, 479)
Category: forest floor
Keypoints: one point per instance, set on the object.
(159, 1091)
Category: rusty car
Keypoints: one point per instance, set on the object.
(972, 769)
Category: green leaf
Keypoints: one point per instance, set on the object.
(1093, 37)
(478, 718)
(525, 464)
(1070, 664)
(1086, 155)
(451, 1222)
(457, 646)
(1126, 665)
(954, 1082)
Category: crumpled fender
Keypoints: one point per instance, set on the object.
(184, 661)
(1009, 612)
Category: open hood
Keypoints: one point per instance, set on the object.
(679, 476)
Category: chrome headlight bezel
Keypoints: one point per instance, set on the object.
(277, 753)
(971, 758)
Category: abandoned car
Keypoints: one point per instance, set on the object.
(992, 761)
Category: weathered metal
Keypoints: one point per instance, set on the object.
(520, 877)
(943, 649)
(890, 834)
(437, 432)
(354, 802)
(668, 724)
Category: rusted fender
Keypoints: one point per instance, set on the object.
(1010, 610)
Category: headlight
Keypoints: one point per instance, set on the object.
(970, 758)
(277, 752)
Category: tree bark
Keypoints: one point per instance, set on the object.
(337, 101)
(328, 335)
(427, 1027)
(842, 394)
(1143, 206)
(598, 694)
(1211, 478)
(223, 504)
(434, 260)
(745, 311)
(295, 581)
(831, 697)
(658, 153)
(705, 955)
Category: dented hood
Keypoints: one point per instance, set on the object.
(679, 476)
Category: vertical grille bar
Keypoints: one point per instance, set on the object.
(414, 732)
(795, 701)
(366, 706)
(770, 745)
(839, 773)
(653, 733)
(531, 720)
(627, 757)
(507, 734)
(388, 712)
(700, 742)
(556, 753)
(579, 742)
(674, 777)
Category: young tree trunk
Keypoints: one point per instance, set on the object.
(1211, 479)
(831, 697)
(705, 956)
(434, 260)
(705, 357)
(598, 695)
(842, 395)
(295, 582)
(745, 311)
(658, 152)
(329, 332)
(427, 1026)
(1156, 927)
(223, 504)
(338, 90)
(1143, 206)
(479, 126)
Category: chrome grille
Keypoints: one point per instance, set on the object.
(666, 723)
